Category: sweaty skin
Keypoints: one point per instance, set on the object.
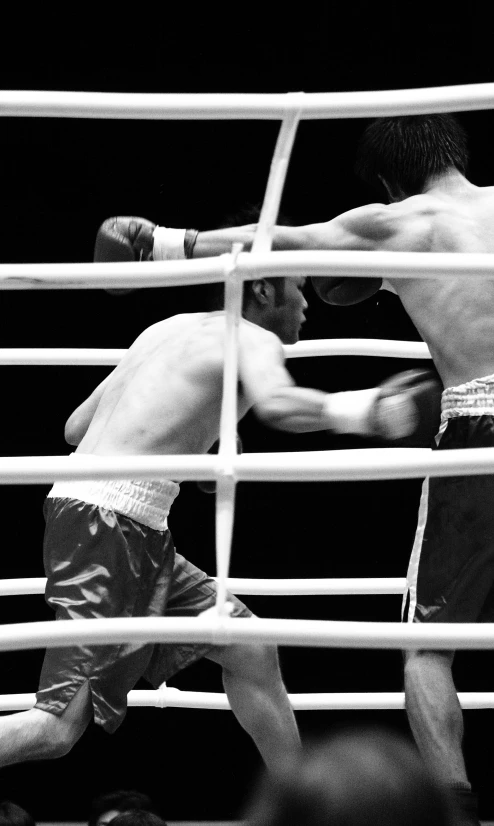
(455, 316)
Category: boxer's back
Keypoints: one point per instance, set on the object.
(165, 395)
(454, 315)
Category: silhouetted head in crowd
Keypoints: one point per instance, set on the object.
(138, 817)
(106, 807)
(354, 778)
(13, 815)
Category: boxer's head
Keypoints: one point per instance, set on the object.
(277, 304)
(403, 153)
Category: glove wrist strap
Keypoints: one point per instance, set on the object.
(350, 412)
(168, 244)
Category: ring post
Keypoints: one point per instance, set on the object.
(226, 481)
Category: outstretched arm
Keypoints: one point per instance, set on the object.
(78, 422)
(365, 228)
(279, 403)
(405, 407)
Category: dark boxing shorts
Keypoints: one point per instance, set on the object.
(451, 573)
(100, 563)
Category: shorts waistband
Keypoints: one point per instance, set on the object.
(474, 398)
(146, 501)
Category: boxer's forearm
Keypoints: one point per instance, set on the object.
(296, 409)
(218, 241)
(303, 410)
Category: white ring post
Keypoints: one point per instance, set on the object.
(226, 482)
(277, 175)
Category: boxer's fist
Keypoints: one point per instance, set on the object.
(345, 291)
(124, 239)
(407, 410)
(207, 485)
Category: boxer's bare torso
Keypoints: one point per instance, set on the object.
(165, 395)
(455, 316)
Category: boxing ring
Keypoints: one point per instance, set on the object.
(228, 468)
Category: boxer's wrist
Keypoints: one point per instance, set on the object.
(173, 244)
(351, 411)
(190, 242)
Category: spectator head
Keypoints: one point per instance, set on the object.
(106, 807)
(13, 815)
(138, 817)
(359, 778)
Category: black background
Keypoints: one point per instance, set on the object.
(58, 180)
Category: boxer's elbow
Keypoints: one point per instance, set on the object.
(74, 430)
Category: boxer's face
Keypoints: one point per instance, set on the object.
(291, 310)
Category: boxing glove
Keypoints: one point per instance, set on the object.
(407, 410)
(124, 238)
(345, 291)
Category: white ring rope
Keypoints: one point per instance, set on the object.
(344, 263)
(309, 466)
(215, 629)
(267, 587)
(72, 356)
(167, 697)
(312, 106)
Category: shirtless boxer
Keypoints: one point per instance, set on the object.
(107, 548)
(421, 162)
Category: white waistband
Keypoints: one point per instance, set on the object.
(474, 398)
(146, 501)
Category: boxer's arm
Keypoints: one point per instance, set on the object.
(279, 403)
(365, 228)
(407, 406)
(218, 241)
(78, 422)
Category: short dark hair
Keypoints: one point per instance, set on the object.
(359, 778)
(407, 151)
(122, 800)
(13, 815)
(215, 297)
(214, 294)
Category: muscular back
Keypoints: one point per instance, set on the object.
(165, 395)
(454, 316)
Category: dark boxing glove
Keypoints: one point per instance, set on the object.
(407, 410)
(124, 239)
(206, 485)
(345, 291)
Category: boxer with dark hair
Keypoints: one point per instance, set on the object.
(107, 549)
(421, 162)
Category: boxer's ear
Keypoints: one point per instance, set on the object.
(263, 291)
